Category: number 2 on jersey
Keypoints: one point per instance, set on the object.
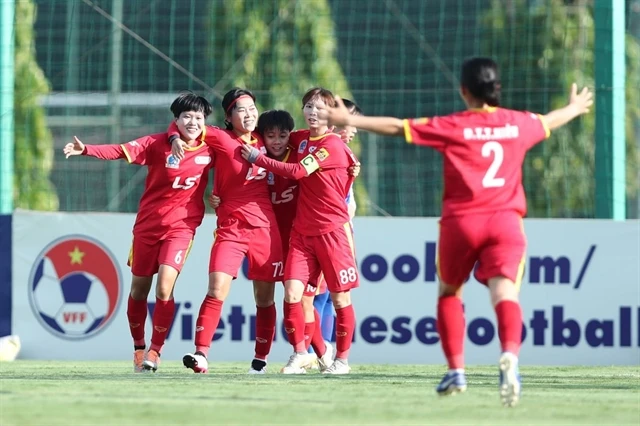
(493, 148)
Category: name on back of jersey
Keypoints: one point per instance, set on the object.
(491, 133)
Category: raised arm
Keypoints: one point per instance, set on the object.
(579, 104)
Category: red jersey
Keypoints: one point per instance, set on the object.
(174, 189)
(284, 195)
(324, 182)
(241, 186)
(483, 155)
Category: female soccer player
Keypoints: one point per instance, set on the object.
(321, 238)
(246, 227)
(322, 302)
(171, 208)
(483, 205)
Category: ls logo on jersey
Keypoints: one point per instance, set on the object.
(302, 147)
(172, 162)
(75, 287)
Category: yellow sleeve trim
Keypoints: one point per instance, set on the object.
(547, 131)
(407, 131)
(126, 153)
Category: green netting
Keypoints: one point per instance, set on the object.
(393, 57)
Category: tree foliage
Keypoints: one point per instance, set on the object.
(33, 140)
(542, 49)
(278, 49)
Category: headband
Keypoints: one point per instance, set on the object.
(236, 100)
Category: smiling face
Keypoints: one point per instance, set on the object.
(276, 141)
(244, 115)
(190, 124)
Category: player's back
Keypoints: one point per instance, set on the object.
(483, 151)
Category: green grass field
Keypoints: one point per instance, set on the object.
(107, 393)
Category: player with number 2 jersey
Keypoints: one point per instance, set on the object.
(483, 204)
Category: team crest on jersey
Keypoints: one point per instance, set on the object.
(263, 150)
(322, 154)
(312, 149)
(172, 162)
(271, 180)
(302, 146)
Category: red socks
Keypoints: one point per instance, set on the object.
(162, 319)
(345, 326)
(207, 323)
(265, 330)
(294, 325)
(137, 315)
(309, 332)
(317, 341)
(509, 315)
(451, 328)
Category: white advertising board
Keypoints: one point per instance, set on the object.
(580, 295)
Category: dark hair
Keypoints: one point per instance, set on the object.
(189, 101)
(275, 119)
(229, 102)
(353, 108)
(319, 92)
(480, 77)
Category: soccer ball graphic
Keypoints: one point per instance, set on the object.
(74, 305)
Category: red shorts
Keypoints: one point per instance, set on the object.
(496, 241)
(332, 253)
(145, 258)
(235, 239)
(315, 283)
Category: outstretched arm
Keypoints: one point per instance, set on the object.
(579, 104)
(339, 116)
(104, 152)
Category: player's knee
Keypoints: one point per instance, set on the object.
(293, 291)
(307, 304)
(219, 285)
(445, 290)
(341, 300)
(263, 293)
(502, 288)
(140, 287)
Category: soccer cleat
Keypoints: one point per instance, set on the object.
(326, 360)
(310, 362)
(294, 366)
(339, 366)
(258, 366)
(152, 361)
(453, 382)
(509, 380)
(197, 362)
(138, 360)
